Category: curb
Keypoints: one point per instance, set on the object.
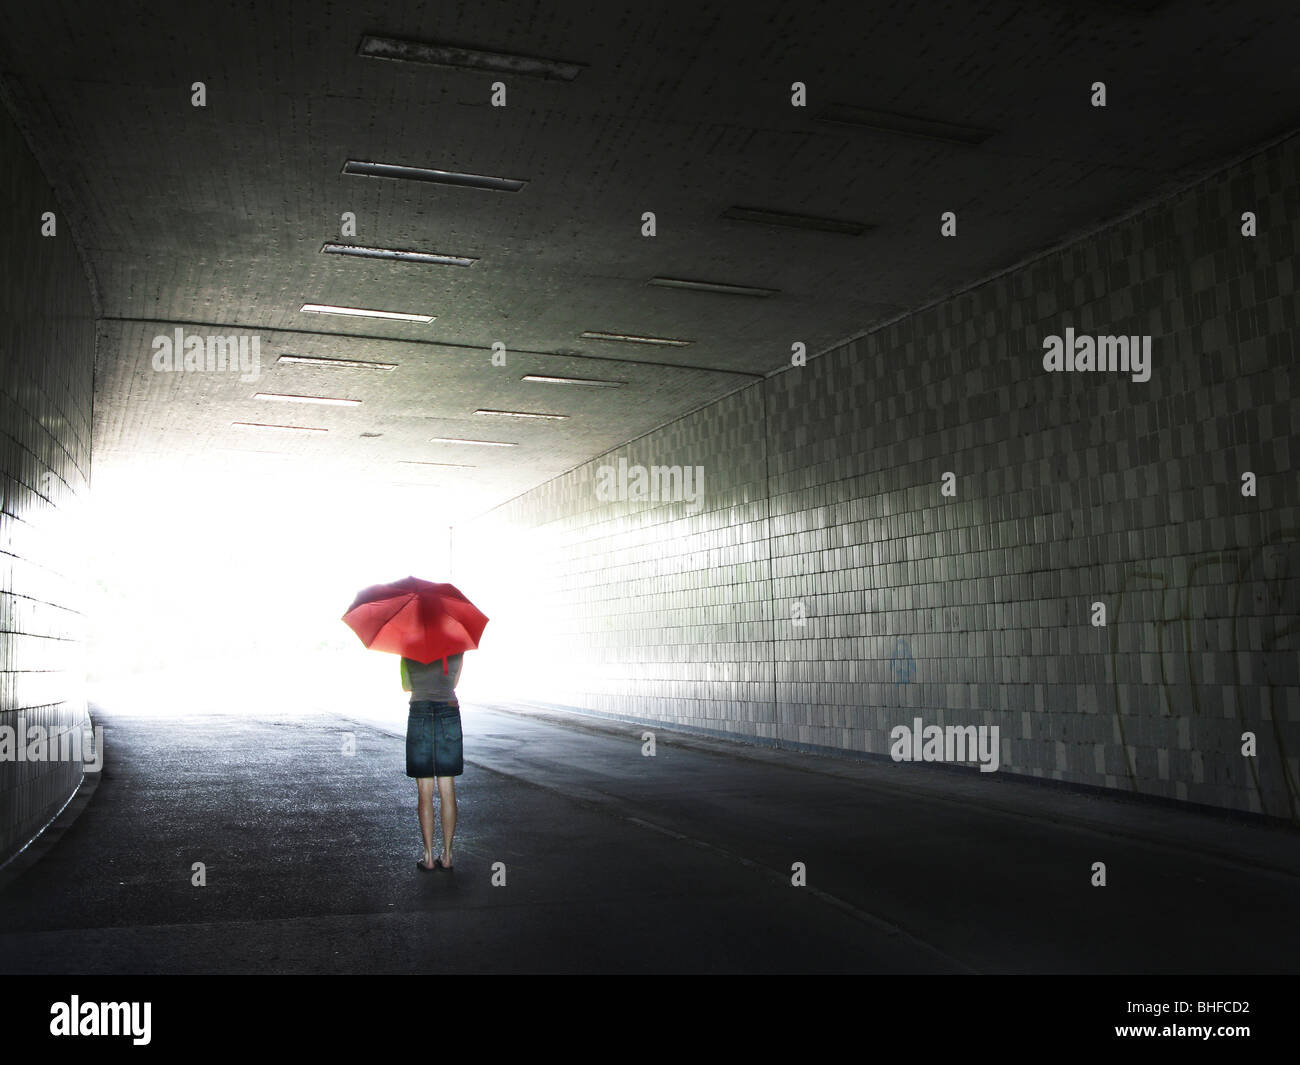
(53, 830)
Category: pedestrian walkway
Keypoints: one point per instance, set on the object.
(576, 852)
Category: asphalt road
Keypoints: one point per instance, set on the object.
(616, 862)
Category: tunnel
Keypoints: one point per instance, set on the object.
(866, 431)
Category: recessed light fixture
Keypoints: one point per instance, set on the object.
(522, 414)
(345, 364)
(480, 443)
(437, 177)
(280, 428)
(451, 55)
(308, 399)
(572, 381)
(795, 221)
(447, 465)
(362, 312)
(1128, 7)
(711, 286)
(433, 258)
(632, 338)
(907, 125)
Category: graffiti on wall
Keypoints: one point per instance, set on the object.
(902, 665)
(1261, 585)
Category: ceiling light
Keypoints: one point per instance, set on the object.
(632, 338)
(481, 443)
(347, 364)
(795, 221)
(711, 286)
(280, 428)
(438, 177)
(572, 381)
(308, 399)
(447, 465)
(522, 414)
(361, 312)
(450, 55)
(434, 258)
(908, 125)
(1130, 7)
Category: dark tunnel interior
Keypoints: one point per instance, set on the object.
(724, 489)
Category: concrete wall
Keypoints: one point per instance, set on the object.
(47, 346)
(822, 496)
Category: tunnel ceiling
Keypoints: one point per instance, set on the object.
(213, 219)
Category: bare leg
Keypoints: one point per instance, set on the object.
(447, 794)
(424, 806)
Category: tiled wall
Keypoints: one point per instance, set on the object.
(822, 498)
(47, 345)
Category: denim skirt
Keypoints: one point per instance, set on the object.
(433, 740)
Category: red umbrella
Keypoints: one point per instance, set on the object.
(416, 619)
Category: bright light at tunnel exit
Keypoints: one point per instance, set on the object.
(225, 592)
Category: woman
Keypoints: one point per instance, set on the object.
(434, 752)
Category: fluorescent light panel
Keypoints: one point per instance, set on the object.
(395, 254)
(522, 414)
(437, 177)
(346, 364)
(572, 381)
(632, 338)
(451, 55)
(1129, 7)
(308, 399)
(711, 286)
(907, 125)
(795, 221)
(447, 465)
(480, 443)
(362, 312)
(280, 428)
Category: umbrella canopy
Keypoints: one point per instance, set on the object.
(416, 619)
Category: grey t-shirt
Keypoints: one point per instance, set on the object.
(429, 683)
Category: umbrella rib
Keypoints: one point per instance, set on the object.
(401, 605)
